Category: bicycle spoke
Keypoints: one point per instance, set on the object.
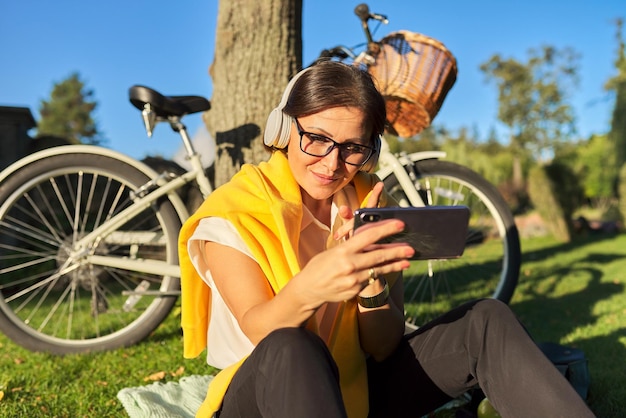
(57, 298)
(490, 263)
(52, 278)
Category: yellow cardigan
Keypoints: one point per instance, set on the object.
(265, 205)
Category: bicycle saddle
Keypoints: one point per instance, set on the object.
(166, 106)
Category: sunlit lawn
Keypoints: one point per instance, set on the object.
(570, 294)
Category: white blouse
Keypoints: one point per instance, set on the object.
(227, 343)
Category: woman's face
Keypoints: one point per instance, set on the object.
(321, 177)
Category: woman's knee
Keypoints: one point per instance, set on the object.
(495, 318)
(292, 337)
(491, 312)
(493, 309)
(294, 344)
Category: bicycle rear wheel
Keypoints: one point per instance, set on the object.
(489, 266)
(52, 298)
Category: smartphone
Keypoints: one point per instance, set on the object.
(435, 232)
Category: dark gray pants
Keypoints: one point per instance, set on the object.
(291, 373)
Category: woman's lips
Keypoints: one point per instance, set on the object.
(324, 179)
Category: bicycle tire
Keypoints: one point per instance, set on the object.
(50, 302)
(490, 264)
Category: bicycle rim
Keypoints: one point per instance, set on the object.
(51, 299)
(489, 266)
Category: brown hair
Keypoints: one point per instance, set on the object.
(328, 84)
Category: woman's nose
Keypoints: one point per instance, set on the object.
(332, 159)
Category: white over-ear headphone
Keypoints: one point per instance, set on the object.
(278, 124)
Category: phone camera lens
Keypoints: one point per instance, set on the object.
(371, 217)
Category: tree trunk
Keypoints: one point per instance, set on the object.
(518, 175)
(258, 48)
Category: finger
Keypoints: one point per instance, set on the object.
(371, 276)
(389, 267)
(386, 245)
(374, 197)
(345, 212)
(343, 232)
(381, 228)
(368, 237)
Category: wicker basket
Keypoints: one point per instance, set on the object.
(414, 73)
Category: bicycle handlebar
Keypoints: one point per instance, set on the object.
(363, 12)
(342, 52)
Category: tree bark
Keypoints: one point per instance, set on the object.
(258, 49)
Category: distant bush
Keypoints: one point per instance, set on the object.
(556, 193)
(621, 192)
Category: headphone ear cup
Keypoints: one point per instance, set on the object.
(283, 140)
(278, 126)
(277, 129)
(273, 127)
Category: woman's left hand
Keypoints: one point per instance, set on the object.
(346, 213)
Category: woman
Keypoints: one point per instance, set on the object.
(306, 318)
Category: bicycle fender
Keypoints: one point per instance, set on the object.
(385, 171)
(97, 150)
(427, 155)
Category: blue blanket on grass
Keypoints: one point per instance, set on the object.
(167, 400)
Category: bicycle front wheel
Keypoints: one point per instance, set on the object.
(489, 266)
(52, 297)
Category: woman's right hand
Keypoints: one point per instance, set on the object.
(341, 272)
(335, 275)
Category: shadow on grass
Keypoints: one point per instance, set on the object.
(570, 301)
(580, 240)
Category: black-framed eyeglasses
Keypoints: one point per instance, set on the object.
(320, 146)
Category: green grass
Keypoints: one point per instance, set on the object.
(574, 294)
(86, 385)
(571, 294)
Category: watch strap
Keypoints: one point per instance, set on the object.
(376, 300)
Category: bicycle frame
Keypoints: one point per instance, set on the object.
(162, 187)
(397, 163)
(158, 187)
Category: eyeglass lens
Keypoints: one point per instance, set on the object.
(320, 146)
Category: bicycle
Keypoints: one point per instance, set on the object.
(88, 237)
(414, 73)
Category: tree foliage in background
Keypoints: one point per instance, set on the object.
(593, 161)
(622, 192)
(617, 84)
(68, 113)
(532, 100)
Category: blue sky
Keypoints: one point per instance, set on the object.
(169, 46)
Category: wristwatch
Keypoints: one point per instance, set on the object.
(376, 300)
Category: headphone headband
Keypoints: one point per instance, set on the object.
(278, 124)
